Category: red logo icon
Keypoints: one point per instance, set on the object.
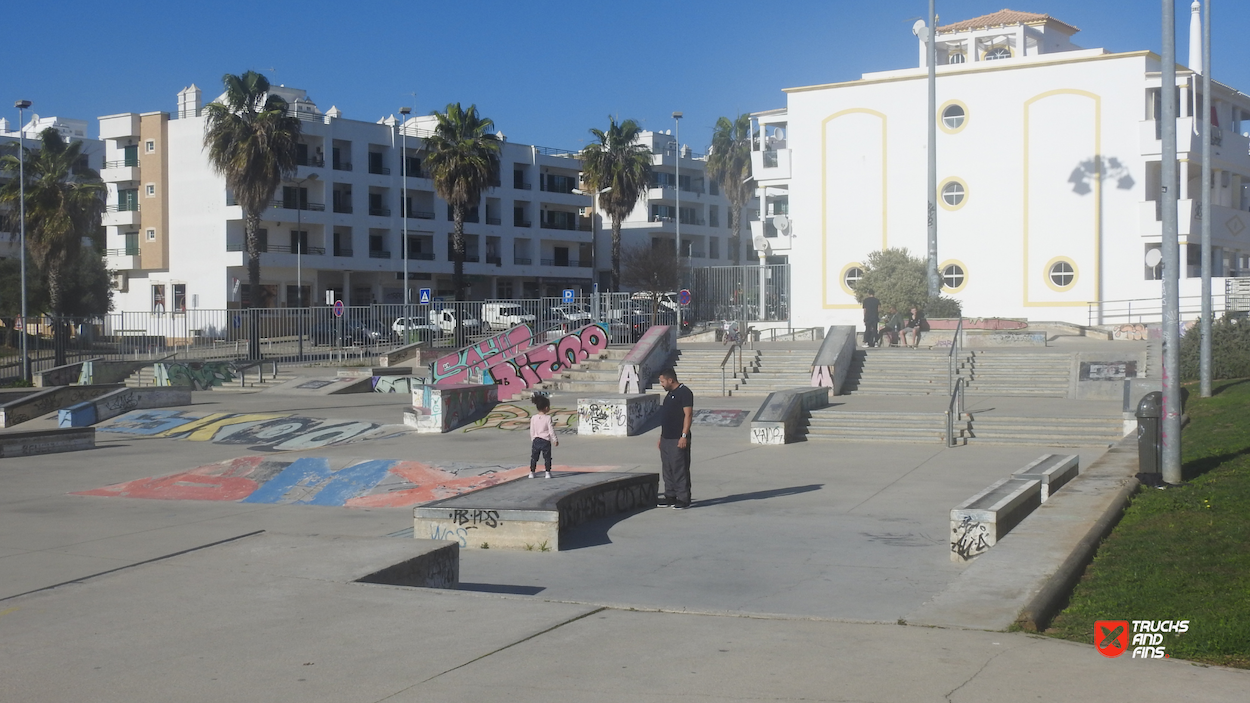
(1111, 637)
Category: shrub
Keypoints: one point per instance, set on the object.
(897, 278)
(1230, 349)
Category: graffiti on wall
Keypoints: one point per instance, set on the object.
(394, 384)
(969, 538)
(375, 483)
(541, 362)
(1108, 370)
(265, 433)
(445, 409)
(719, 418)
(508, 416)
(622, 417)
(199, 375)
(461, 365)
(1131, 333)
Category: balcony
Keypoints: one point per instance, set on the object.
(420, 215)
(519, 222)
(120, 171)
(379, 212)
(522, 261)
(121, 259)
(116, 216)
(379, 254)
(1228, 225)
(1229, 151)
(313, 161)
(343, 252)
(341, 166)
(770, 164)
(493, 220)
(343, 208)
(566, 225)
(520, 185)
(571, 263)
(494, 259)
(421, 255)
(277, 249)
(379, 170)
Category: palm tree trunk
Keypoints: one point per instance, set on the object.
(252, 233)
(616, 254)
(457, 271)
(55, 301)
(735, 232)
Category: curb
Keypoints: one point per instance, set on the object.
(1054, 594)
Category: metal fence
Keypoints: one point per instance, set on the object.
(749, 293)
(1144, 310)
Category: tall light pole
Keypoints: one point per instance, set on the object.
(403, 179)
(300, 204)
(1171, 430)
(931, 53)
(594, 241)
(677, 187)
(21, 106)
(1204, 351)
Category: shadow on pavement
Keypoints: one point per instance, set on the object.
(758, 495)
(502, 588)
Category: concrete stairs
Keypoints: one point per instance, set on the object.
(700, 370)
(898, 371)
(972, 428)
(1034, 374)
(832, 424)
(776, 370)
(145, 378)
(598, 375)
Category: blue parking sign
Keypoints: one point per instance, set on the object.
(569, 295)
(424, 296)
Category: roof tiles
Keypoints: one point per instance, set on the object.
(1002, 18)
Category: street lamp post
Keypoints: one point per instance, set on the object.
(21, 106)
(403, 178)
(300, 204)
(594, 241)
(677, 187)
(1171, 429)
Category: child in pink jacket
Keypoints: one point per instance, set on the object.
(542, 435)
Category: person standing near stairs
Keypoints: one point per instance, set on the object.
(677, 414)
(872, 318)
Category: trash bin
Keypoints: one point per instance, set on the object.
(1149, 438)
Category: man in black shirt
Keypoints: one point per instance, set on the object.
(872, 318)
(674, 444)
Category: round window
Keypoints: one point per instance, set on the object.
(852, 277)
(952, 276)
(998, 52)
(953, 193)
(953, 116)
(1062, 274)
(956, 57)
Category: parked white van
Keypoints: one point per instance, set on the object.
(502, 316)
(445, 320)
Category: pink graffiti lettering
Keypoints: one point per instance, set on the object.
(542, 362)
(456, 367)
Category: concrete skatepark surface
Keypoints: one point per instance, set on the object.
(784, 581)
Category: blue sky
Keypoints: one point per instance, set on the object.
(545, 71)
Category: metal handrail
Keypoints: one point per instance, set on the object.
(954, 411)
(738, 346)
(952, 355)
(1104, 311)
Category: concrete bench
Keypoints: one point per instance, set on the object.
(41, 403)
(13, 444)
(122, 400)
(615, 415)
(1053, 470)
(979, 522)
(782, 419)
(532, 514)
(442, 409)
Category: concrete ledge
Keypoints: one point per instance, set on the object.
(376, 371)
(615, 415)
(531, 514)
(1053, 470)
(981, 339)
(41, 403)
(833, 361)
(979, 522)
(122, 400)
(443, 409)
(782, 418)
(65, 375)
(647, 358)
(13, 444)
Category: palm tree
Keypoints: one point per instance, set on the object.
(618, 162)
(463, 158)
(64, 203)
(729, 164)
(252, 142)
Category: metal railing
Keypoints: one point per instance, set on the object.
(1140, 310)
(278, 249)
(122, 207)
(380, 170)
(379, 254)
(342, 166)
(521, 223)
(954, 411)
(420, 215)
(379, 212)
(128, 251)
(122, 163)
(733, 292)
(572, 263)
(343, 208)
(557, 224)
(953, 356)
(735, 346)
(493, 221)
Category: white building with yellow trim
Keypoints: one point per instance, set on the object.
(1048, 168)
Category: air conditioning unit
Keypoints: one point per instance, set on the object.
(121, 282)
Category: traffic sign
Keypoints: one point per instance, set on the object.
(569, 294)
(238, 321)
(423, 297)
(18, 324)
(683, 296)
(338, 308)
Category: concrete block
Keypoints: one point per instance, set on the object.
(29, 407)
(1053, 470)
(122, 400)
(979, 522)
(443, 409)
(615, 415)
(782, 417)
(13, 444)
(648, 357)
(834, 359)
(530, 514)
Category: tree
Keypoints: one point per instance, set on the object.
(729, 164)
(463, 158)
(649, 269)
(253, 143)
(618, 162)
(64, 204)
(901, 280)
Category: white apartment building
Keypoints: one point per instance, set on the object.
(175, 235)
(1048, 167)
(679, 179)
(70, 130)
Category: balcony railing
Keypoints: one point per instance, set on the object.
(556, 262)
(128, 251)
(342, 166)
(343, 208)
(314, 161)
(420, 215)
(421, 255)
(379, 254)
(379, 170)
(518, 222)
(380, 211)
(521, 186)
(583, 226)
(522, 260)
(494, 259)
(552, 224)
(122, 163)
(122, 207)
(343, 251)
(277, 249)
(417, 173)
(493, 221)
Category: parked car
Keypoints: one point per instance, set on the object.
(567, 314)
(502, 316)
(353, 332)
(419, 330)
(445, 321)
